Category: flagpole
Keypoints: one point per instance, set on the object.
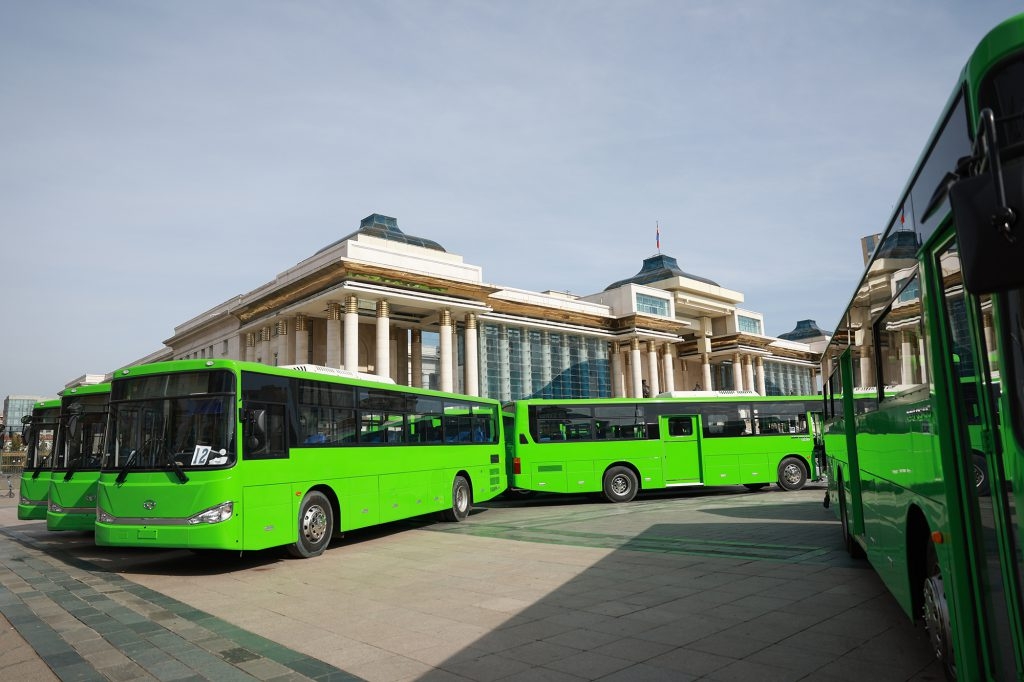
(657, 236)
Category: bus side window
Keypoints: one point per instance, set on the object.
(680, 426)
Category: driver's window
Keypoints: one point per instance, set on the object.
(264, 431)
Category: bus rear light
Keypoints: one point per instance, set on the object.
(517, 468)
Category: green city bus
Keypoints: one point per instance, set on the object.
(926, 481)
(619, 446)
(76, 464)
(220, 454)
(40, 435)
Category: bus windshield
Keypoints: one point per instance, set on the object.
(171, 421)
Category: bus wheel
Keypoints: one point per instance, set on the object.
(754, 486)
(936, 613)
(981, 485)
(461, 500)
(316, 524)
(792, 474)
(620, 484)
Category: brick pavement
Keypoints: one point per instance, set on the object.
(713, 586)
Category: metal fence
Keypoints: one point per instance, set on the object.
(12, 462)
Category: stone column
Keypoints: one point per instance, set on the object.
(301, 339)
(351, 339)
(417, 358)
(684, 367)
(670, 369)
(616, 370)
(737, 372)
(263, 352)
(759, 373)
(907, 358)
(382, 366)
(472, 373)
(445, 343)
(250, 347)
(922, 360)
(284, 356)
(748, 373)
(333, 334)
(705, 366)
(545, 363)
(653, 382)
(634, 361)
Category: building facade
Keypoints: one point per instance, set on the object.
(392, 304)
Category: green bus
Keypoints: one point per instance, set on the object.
(219, 454)
(40, 430)
(618, 446)
(78, 451)
(926, 481)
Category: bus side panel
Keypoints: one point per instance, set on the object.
(267, 517)
(897, 453)
(359, 498)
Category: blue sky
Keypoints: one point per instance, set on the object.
(159, 158)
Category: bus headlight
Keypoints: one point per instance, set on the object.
(56, 508)
(104, 517)
(222, 512)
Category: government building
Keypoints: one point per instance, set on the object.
(384, 302)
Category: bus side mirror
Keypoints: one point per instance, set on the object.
(988, 210)
(26, 419)
(255, 424)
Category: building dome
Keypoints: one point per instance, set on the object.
(658, 268)
(805, 329)
(386, 227)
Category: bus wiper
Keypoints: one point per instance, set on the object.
(123, 474)
(179, 470)
(71, 472)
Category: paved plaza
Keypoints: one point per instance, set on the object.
(709, 585)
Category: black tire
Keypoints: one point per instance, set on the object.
(620, 484)
(935, 612)
(853, 547)
(462, 500)
(754, 487)
(981, 482)
(316, 526)
(792, 474)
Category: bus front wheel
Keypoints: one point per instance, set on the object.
(620, 484)
(936, 613)
(792, 474)
(316, 525)
(461, 500)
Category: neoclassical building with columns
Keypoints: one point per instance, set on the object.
(388, 303)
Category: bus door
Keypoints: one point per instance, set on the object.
(979, 481)
(681, 448)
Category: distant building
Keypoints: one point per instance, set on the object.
(16, 407)
(381, 301)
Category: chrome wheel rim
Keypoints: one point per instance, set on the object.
(461, 498)
(791, 473)
(936, 617)
(314, 524)
(620, 485)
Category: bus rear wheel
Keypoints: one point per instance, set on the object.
(462, 500)
(620, 484)
(792, 474)
(316, 525)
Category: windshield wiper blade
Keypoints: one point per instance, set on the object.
(179, 470)
(123, 474)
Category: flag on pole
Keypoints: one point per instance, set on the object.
(657, 236)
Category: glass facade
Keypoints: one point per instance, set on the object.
(784, 379)
(748, 325)
(517, 362)
(652, 305)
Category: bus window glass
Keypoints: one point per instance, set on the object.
(381, 427)
(680, 426)
(619, 422)
(901, 342)
(781, 418)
